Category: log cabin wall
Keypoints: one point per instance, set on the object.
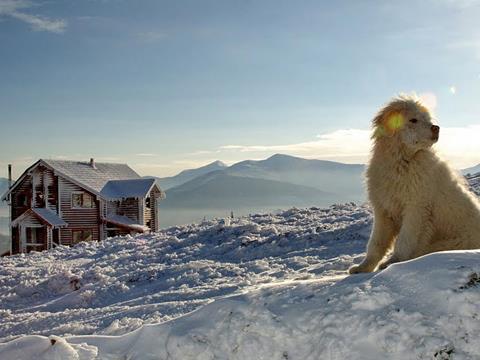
(103, 211)
(38, 187)
(77, 218)
(147, 212)
(21, 197)
(129, 208)
(15, 240)
(37, 190)
(112, 207)
(50, 182)
(155, 197)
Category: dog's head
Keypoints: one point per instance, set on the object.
(407, 120)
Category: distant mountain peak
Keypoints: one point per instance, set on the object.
(189, 174)
(217, 163)
(279, 156)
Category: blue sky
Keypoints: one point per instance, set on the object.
(167, 85)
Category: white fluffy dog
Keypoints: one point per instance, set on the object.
(419, 204)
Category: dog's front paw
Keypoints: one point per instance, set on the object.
(384, 264)
(361, 268)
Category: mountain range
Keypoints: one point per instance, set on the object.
(281, 181)
(187, 175)
(3, 185)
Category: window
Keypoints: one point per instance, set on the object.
(82, 200)
(81, 235)
(39, 196)
(52, 196)
(148, 203)
(22, 200)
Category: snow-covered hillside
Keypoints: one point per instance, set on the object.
(262, 287)
(120, 284)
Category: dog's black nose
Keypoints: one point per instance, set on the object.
(435, 129)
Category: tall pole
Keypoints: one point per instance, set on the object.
(9, 176)
(9, 199)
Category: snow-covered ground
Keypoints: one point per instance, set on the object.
(262, 287)
(423, 309)
(117, 285)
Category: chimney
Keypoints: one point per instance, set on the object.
(9, 176)
(92, 163)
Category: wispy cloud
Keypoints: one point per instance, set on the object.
(17, 9)
(203, 152)
(146, 154)
(351, 145)
(459, 145)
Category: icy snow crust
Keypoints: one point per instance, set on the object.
(271, 286)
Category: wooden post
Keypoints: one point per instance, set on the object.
(45, 189)
(155, 213)
(9, 176)
(23, 239)
(141, 211)
(49, 237)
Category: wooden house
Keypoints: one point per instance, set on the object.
(56, 202)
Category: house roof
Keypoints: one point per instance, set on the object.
(122, 189)
(124, 221)
(45, 215)
(84, 174)
(93, 177)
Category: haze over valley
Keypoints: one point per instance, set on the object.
(251, 186)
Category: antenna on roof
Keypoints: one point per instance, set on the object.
(92, 163)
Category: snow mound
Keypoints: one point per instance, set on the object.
(118, 285)
(427, 308)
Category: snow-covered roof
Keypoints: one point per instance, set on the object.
(121, 220)
(45, 215)
(93, 177)
(50, 217)
(122, 189)
(82, 173)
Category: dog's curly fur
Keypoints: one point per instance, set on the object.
(420, 204)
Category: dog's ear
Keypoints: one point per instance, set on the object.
(387, 122)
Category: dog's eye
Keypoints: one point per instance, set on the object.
(414, 121)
